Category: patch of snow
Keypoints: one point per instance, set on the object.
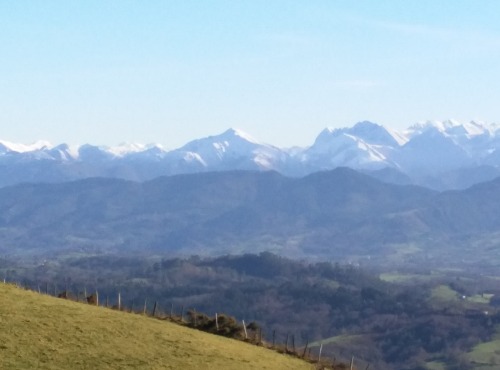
(123, 149)
(23, 148)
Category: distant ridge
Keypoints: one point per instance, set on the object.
(340, 214)
(436, 154)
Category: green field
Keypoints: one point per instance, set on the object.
(395, 277)
(42, 332)
(339, 339)
(480, 298)
(444, 293)
(487, 355)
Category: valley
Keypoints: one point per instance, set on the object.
(388, 320)
(250, 185)
(401, 277)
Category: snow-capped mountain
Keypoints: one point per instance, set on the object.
(364, 146)
(439, 154)
(432, 150)
(6, 146)
(232, 149)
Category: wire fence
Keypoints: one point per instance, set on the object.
(219, 324)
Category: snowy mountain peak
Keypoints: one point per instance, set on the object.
(375, 134)
(450, 123)
(239, 134)
(325, 135)
(423, 126)
(368, 132)
(23, 148)
(366, 126)
(62, 152)
(228, 138)
(424, 149)
(468, 130)
(450, 127)
(125, 148)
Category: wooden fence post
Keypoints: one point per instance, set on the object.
(171, 311)
(154, 308)
(145, 307)
(182, 313)
(245, 329)
(352, 362)
(320, 350)
(119, 301)
(85, 294)
(216, 322)
(305, 349)
(96, 298)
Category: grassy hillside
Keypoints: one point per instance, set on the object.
(42, 332)
(486, 356)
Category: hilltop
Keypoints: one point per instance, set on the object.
(43, 332)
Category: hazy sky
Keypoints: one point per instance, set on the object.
(106, 72)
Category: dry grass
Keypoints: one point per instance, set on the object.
(41, 332)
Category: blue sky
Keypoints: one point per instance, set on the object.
(107, 72)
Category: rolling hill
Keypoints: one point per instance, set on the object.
(339, 214)
(42, 332)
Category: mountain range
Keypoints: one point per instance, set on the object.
(340, 214)
(439, 155)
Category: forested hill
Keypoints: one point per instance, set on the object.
(338, 214)
(400, 321)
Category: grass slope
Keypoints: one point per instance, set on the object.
(486, 356)
(42, 332)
